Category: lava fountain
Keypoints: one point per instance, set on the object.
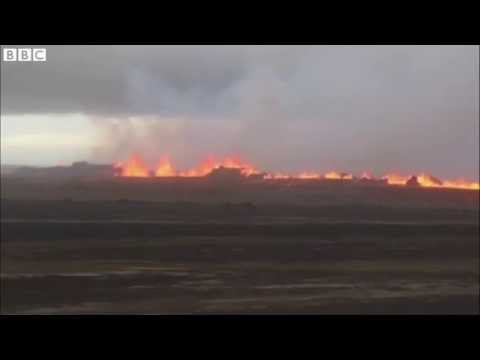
(135, 166)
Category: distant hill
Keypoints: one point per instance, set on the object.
(8, 169)
(77, 169)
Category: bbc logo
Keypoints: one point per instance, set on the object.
(24, 54)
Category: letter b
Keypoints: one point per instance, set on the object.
(9, 54)
(24, 54)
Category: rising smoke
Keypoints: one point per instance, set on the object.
(288, 108)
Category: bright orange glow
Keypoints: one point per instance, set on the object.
(209, 164)
(461, 184)
(333, 175)
(396, 179)
(135, 166)
(429, 181)
(309, 175)
(164, 168)
(426, 180)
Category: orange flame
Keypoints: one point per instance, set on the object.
(135, 166)
(396, 179)
(426, 180)
(461, 184)
(429, 181)
(333, 175)
(309, 175)
(164, 168)
(209, 164)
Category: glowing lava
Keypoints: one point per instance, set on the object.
(309, 175)
(461, 184)
(165, 168)
(396, 179)
(333, 175)
(209, 164)
(426, 180)
(429, 181)
(135, 166)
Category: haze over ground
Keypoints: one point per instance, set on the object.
(287, 108)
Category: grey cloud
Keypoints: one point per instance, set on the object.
(378, 108)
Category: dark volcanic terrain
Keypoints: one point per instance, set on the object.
(181, 246)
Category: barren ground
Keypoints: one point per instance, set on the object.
(168, 248)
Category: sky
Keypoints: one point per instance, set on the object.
(284, 108)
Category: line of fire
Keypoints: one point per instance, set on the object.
(233, 169)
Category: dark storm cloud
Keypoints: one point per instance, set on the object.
(121, 80)
(378, 108)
